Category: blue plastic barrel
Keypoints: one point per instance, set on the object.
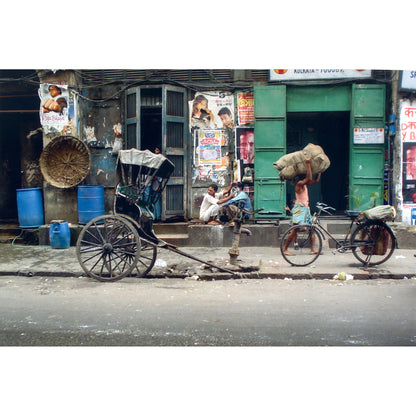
(59, 235)
(90, 202)
(413, 216)
(30, 207)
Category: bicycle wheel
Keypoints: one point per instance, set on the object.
(296, 245)
(373, 243)
(108, 248)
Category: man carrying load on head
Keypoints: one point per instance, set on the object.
(300, 211)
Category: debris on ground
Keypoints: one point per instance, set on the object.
(343, 276)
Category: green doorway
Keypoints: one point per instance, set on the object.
(330, 130)
(340, 115)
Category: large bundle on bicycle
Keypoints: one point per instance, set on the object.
(293, 164)
(142, 177)
(380, 212)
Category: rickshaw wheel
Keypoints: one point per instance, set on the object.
(148, 252)
(108, 248)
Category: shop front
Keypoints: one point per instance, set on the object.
(406, 171)
(347, 121)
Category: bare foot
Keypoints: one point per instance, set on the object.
(314, 252)
(287, 253)
(215, 222)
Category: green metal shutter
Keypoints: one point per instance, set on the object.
(269, 145)
(366, 160)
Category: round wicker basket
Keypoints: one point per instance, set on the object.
(65, 162)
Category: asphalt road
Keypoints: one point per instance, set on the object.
(62, 311)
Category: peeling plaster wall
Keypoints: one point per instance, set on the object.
(200, 180)
(98, 124)
(100, 127)
(59, 204)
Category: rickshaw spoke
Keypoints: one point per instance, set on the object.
(116, 255)
(90, 246)
(98, 253)
(94, 236)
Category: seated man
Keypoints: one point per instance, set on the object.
(234, 205)
(211, 203)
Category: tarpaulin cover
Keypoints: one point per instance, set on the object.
(293, 164)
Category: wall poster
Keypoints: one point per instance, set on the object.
(210, 162)
(408, 138)
(244, 141)
(245, 106)
(56, 108)
(212, 110)
(209, 144)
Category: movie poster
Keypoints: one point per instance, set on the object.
(244, 141)
(212, 110)
(409, 173)
(56, 107)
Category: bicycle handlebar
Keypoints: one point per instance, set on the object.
(324, 207)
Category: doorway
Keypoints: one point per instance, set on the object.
(19, 159)
(330, 130)
(156, 116)
(151, 119)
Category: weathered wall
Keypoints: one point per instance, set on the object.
(222, 177)
(99, 124)
(97, 118)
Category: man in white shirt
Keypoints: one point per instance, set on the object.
(211, 203)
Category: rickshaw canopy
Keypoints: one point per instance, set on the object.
(158, 165)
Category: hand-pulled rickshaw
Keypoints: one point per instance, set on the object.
(114, 246)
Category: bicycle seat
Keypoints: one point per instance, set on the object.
(353, 214)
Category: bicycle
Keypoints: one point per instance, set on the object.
(371, 241)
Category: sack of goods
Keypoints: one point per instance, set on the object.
(381, 212)
(293, 164)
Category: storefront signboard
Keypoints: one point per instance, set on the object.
(309, 74)
(368, 135)
(408, 80)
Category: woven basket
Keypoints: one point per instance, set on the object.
(65, 162)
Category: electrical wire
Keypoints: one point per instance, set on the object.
(90, 80)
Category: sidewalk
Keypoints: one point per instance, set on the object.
(255, 262)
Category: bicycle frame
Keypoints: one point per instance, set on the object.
(371, 241)
(342, 245)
